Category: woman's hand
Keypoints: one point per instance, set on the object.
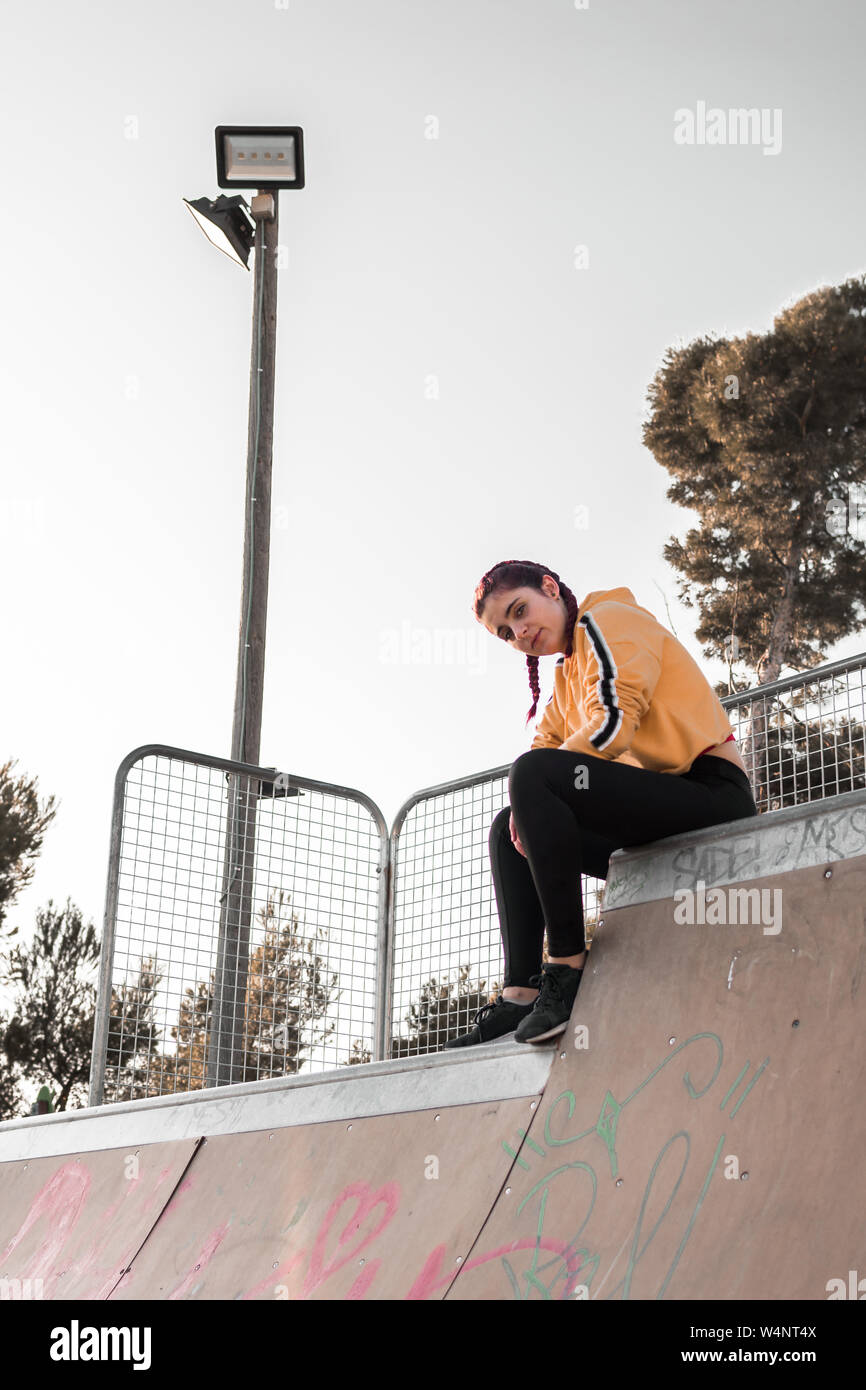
(514, 836)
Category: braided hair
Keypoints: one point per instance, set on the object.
(516, 574)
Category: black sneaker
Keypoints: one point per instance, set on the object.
(492, 1021)
(557, 990)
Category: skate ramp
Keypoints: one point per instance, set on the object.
(69, 1226)
(707, 1140)
(697, 1133)
(318, 1187)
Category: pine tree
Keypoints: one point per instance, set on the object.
(133, 1035)
(761, 435)
(22, 827)
(50, 1033)
(289, 993)
(186, 1069)
(11, 1097)
(442, 1011)
(765, 437)
(288, 996)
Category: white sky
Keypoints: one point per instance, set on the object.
(124, 359)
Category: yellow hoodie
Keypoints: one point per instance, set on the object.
(630, 692)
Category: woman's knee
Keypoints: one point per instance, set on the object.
(524, 772)
(500, 825)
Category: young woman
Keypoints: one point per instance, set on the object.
(633, 746)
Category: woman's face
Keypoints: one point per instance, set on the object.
(527, 620)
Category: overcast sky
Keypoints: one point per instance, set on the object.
(455, 380)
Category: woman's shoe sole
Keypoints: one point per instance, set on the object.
(543, 1037)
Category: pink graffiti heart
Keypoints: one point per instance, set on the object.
(388, 1197)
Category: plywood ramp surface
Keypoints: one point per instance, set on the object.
(70, 1226)
(383, 1207)
(705, 1137)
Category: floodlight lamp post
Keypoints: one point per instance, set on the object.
(266, 158)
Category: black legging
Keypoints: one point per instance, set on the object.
(567, 830)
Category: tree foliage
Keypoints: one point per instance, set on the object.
(22, 826)
(12, 1102)
(765, 437)
(50, 1033)
(289, 993)
(133, 1034)
(443, 1010)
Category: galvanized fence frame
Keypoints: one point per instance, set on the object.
(796, 734)
(235, 906)
(448, 1007)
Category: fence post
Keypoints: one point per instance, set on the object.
(226, 1040)
(99, 1051)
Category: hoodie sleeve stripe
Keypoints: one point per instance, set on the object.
(605, 686)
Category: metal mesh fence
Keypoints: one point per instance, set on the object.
(244, 925)
(801, 738)
(804, 737)
(447, 950)
(258, 925)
